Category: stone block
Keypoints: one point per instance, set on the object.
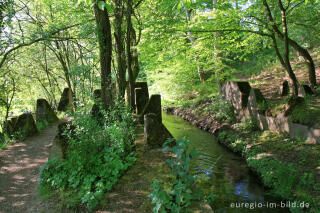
(154, 131)
(60, 143)
(141, 100)
(284, 89)
(44, 112)
(153, 106)
(237, 93)
(66, 100)
(24, 125)
(305, 90)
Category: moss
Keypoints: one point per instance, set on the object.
(288, 166)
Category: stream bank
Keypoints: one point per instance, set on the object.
(289, 167)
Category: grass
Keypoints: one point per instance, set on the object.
(307, 113)
(289, 166)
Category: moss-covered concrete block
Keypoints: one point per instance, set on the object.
(154, 106)
(154, 131)
(66, 100)
(44, 112)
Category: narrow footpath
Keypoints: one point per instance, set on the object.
(20, 166)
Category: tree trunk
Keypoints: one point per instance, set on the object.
(129, 56)
(120, 49)
(134, 54)
(304, 53)
(105, 48)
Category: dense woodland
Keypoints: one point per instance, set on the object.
(182, 48)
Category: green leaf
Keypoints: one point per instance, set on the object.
(101, 5)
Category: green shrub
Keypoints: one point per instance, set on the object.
(221, 108)
(41, 125)
(97, 155)
(176, 195)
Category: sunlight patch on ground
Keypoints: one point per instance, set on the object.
(262, 155)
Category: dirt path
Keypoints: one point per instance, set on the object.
(19, 173)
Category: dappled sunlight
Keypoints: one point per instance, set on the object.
(262, 155)
(19, 171)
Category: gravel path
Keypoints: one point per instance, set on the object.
(19, 173)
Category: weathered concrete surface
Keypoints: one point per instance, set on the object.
(24, 125)
(96, 110)
(44, 112)
(284, 88)
(305, 90)
(231, 92)
(143, 85)
(154, 131)
(154, 106)
(142, 98)
(66, 100)
(60, 142)
(236, 93)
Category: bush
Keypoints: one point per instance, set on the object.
(97, 155)
(176, 195)
(221, 108)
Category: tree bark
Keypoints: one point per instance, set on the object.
(305, 54)
(286, 49)
(129, 56)
(105, 48)
(120, 49)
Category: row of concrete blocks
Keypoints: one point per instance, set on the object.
(25, 123)
(147, 112)
(247, 104)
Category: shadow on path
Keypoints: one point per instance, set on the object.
(19, 173)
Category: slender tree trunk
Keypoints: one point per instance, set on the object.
(287, 51)
(105, 48)
(134, 54)
(120, 49)
(304, 53)
(129, 56)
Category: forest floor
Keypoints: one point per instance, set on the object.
(271, 78)
(20, 166)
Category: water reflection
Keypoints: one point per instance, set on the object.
(221, 171)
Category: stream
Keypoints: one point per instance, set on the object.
(226, 173)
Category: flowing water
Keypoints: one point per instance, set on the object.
(227, 174)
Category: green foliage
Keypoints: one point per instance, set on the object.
(308, 112)
(5, 140)
(217, 106)
(96, 157)
(177, 194)
(41, 125)
(269, 153)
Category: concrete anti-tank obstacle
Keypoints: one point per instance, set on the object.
(24, 125)
(66, 100)
(153, 106)
(154, 131)
(44, 112)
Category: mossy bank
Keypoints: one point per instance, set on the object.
(289, 167)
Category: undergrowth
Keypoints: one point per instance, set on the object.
(97, 156)
(177, 194)
(286, 165)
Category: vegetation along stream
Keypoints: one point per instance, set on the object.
(227, 174)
